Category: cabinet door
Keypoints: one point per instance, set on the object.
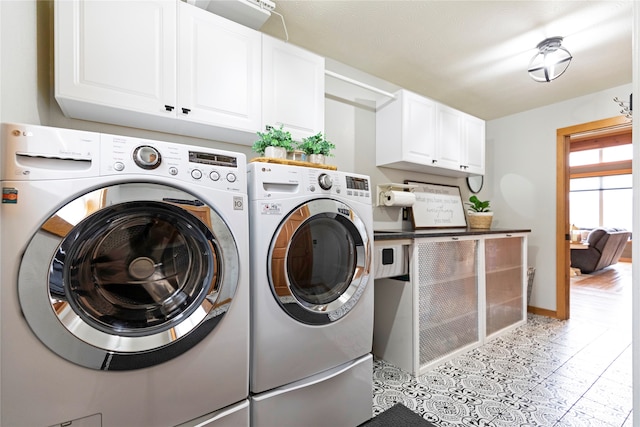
(116, 53)
(449, 137)
(218, 70)
(418, 129)
(446, 273)
(292, 88)
(504, 272)
(473, 144)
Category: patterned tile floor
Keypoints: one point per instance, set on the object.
(545, 373)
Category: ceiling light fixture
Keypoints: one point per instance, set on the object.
(551, 61)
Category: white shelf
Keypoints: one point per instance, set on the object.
(355, 91)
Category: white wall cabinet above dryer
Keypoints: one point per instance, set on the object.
(161, 65)
(419, 134)
(293, 88)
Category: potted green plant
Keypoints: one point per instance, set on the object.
(316, 147)
(275, 142)
(479, 213)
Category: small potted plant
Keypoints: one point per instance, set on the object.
(274, 143)
(316, 147)
(479, 213)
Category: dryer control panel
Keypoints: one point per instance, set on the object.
(352, 186)
(274, 181)
(121, 155)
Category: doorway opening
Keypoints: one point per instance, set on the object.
(601, 128)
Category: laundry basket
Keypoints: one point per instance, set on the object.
(530, 273)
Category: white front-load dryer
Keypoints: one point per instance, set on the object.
(311, 294)
(125, 287)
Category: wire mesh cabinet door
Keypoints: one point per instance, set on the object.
(504, 282)
(446, 272)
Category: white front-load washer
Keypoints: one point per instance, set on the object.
(125, 287)
(311, 294)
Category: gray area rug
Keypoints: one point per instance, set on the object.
(397, 416)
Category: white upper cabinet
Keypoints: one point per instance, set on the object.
(293, 88)
(406, 132)
(473, 140)
(416, 133)
(117, 62)
(449, 137)
(461, 141)
(118, 54)
(218, 70)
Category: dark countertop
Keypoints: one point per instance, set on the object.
(441, 232)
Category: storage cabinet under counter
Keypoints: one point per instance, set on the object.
(505, 282)
(460, 291)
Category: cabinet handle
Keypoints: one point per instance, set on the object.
(185, 111)
(455, 238)
(433, 162)
(168, 107)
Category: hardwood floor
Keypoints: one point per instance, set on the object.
(613, 278)
(603, 296)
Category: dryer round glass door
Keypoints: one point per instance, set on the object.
(319, 261)
(128, 276)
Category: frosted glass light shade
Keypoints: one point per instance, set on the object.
(551, 61)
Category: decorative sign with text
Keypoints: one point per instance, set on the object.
(437, 206)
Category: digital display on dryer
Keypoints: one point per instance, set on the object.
(212, 159)
(357, 183)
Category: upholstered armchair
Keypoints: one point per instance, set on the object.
(605, 247)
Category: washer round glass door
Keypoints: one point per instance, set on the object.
(136, 274)
(319, 261)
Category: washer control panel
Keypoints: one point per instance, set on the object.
(222, 169)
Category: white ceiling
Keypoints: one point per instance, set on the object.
(471, 55)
